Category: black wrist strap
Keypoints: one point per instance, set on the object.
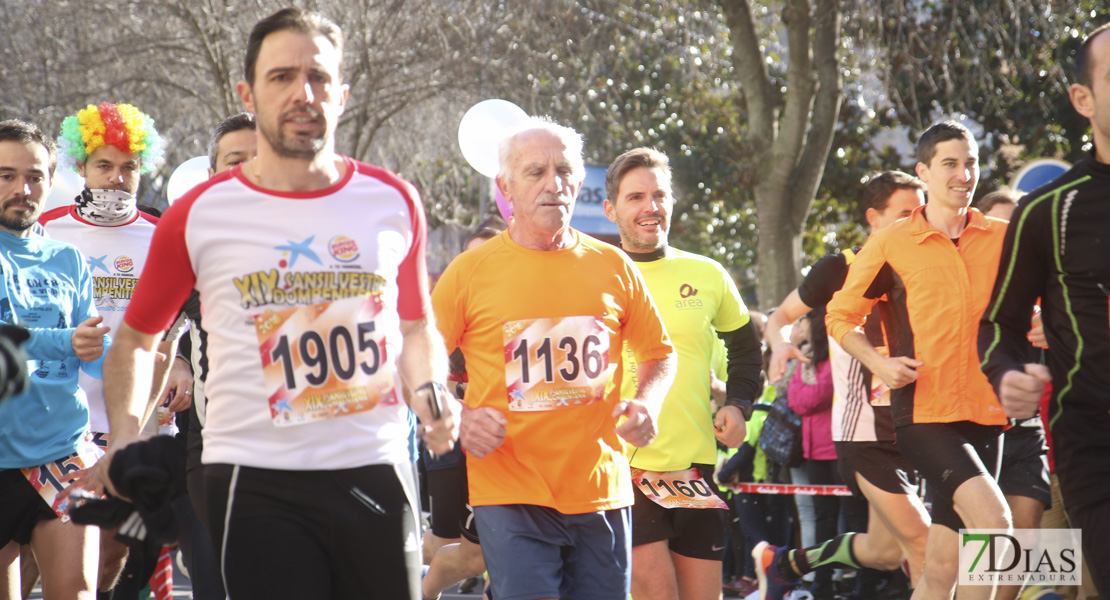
(745, 406)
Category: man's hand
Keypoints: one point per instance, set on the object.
(1036, 332)
(897, 371)
(95, 478)
(780, 354)
(482, 430)
(729, 426)
(1020, 393)
(88, 339)
(440, 433)
(178, 393)
(638, 428)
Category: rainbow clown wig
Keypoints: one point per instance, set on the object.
(119, 125)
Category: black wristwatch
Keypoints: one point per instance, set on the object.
(437, 395)
(745, 407)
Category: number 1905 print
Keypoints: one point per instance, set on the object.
(324, 361)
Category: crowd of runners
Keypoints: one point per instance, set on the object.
(573, 399)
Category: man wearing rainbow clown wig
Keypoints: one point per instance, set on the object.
(111, 145)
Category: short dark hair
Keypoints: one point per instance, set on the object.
(239, 122)
(878, 190)
(150, 210)
(941, 132)
(486, 230)
(15, 130)
(290, 19)
(1082, 65)
(1000, 196)
(648, 158)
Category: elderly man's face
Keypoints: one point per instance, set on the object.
(543, 184)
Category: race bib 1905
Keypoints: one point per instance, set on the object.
(555, 363)
(324, 361)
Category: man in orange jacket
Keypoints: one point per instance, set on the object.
(937, 269)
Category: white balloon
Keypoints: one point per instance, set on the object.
(483, 127)
(186, 176)
(67, 184)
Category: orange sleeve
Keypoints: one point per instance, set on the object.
(850, 306)
(643, 328)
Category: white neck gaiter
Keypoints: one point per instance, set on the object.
(106, 207)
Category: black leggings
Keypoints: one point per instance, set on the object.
(348, 533)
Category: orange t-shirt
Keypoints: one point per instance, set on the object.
(542, 335)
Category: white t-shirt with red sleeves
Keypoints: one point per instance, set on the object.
(115, 256)
(302, 295)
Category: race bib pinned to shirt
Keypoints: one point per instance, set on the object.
(47, 479)
(324, 361)
(677, 489)
(552, 364)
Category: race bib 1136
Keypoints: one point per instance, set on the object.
(555, 363)
(324, 361)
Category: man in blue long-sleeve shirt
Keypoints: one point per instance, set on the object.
(45, 287)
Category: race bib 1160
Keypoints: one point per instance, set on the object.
(677, 489)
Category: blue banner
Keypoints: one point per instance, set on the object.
(589, 215)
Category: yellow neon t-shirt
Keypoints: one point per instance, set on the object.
(697, 298)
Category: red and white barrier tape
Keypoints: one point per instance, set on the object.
(790, 489)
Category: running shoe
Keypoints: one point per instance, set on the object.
(772, 584)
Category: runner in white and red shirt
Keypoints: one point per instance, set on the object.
(110, 145)
(311, 271)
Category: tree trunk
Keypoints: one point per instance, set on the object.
(791, 133)
(780, 246)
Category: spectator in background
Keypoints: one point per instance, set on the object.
(810, 394)
(1000, 203)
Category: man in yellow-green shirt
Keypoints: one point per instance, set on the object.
(678, 529)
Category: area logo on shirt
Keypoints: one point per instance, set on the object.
(124, 264)
(343, 248)
(687, 297)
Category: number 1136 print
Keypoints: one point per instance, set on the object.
(557, 363)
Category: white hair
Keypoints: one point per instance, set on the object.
(570, 138)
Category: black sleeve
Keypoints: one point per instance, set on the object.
(745, 361)
(824, 279)
(1022, 272)
(738, 468)
(185, 347)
